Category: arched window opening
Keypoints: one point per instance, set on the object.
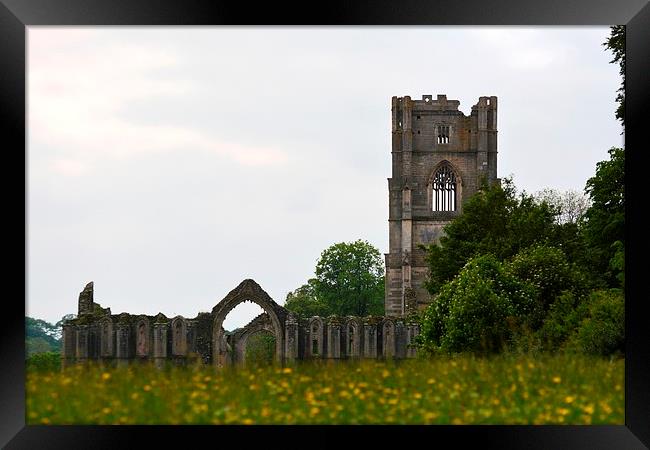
(443, 134)
(314, 340)
(444, 190)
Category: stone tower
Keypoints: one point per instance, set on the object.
(440, 157)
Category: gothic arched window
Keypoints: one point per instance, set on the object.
(444, 190)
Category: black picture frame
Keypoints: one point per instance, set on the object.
(16, 15)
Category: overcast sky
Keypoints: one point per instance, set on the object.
(169, 164)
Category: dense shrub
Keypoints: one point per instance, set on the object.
(603, 331)
(478, 310)
(547, 269)
(562, 320)
(44, 362)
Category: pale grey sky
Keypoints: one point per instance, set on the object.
(168, 164)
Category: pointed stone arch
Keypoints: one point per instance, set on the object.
(316, 345)
(445, 176)
(179, 336)
(240, 338)
(142, 337)
(353, 338)
(248, 290)
(106, 338)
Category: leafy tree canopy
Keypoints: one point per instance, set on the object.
(42, 336)
(616, 43)
(497, 221)
(478, 310)
(571, 204)
(304, 302)
(604, 228)
(349, 281)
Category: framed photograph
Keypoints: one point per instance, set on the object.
(241, 154)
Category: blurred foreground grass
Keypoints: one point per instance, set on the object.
(505, 389)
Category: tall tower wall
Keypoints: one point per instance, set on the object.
(432, 141)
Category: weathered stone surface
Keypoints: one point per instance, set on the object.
(124, 338)
(429, 137)
(86, 300)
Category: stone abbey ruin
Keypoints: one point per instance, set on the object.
(96, 334)
(440, 156)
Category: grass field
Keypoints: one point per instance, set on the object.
(508, 389)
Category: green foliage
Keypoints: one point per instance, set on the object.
(260, 349)
(603, 331)
(526, 304)
(39, 345)
(563, 318)
(304, 302)
(44, 362)
(349, 281)
(478, 310)
(571, 205)
(547, 269)
(616, 43)
(41, 336)
(617, 263)
(496, 221)
(605, 219)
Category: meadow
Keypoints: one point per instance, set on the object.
(504, 389)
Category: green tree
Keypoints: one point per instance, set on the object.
(479, 310)
(42, 336)
(616, 43)
(350, 279)
(304, 302)
(549, 271)
(496, 221)
(602, 332)
(604, 227)
(571, 204)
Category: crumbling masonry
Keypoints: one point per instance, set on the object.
(97, 335)
(440, 157)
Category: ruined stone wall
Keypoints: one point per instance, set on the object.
(125, 339)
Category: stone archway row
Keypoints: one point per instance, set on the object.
(96, 334)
